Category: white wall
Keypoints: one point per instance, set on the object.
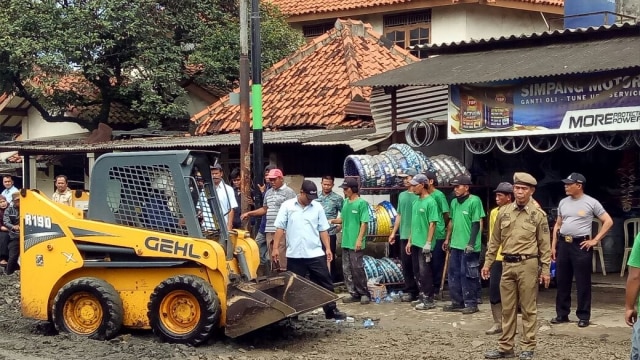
(34, 126)
(448, 24)
(467, 22)
(485, 22)
(375, 21)
(45, 183)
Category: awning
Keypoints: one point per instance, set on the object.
(356, 143)
(78, 146)
(516, 63)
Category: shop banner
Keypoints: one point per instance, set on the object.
(544, 107)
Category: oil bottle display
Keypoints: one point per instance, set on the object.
(472, 114)
(498, 110)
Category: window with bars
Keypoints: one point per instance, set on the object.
(409, 29)
(311, 31)
(145, 197)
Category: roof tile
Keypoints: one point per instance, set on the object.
(297, 7)
(312, 87)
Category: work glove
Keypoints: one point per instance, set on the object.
(469, 249)
(426, 252)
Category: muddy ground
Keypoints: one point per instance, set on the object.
(399, 333)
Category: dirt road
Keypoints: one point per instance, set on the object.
(399, 333)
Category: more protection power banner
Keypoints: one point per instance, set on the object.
(544, 107)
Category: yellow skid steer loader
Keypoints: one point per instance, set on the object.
(151, 251)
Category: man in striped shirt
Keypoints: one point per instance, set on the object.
(273, 198)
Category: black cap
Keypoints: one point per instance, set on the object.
(431, 175)
(349, 182)
(504, 187)
(217, 166)
(461, 180)
(575, 178)
(309, 188)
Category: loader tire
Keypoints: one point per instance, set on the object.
(88, 307)
(184, 309)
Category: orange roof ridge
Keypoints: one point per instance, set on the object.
(349, 29)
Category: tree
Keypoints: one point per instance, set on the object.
(62, 55)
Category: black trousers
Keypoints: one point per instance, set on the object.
(572, 261)
(318, 273)
(494, 283)
(14, 253)
(333, 267)
(422, 271)
(4, 245)
(409, 271)
(355, 278)
(437, 265)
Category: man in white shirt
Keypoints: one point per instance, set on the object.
(303, 223)
(226, 195)
(9, 189)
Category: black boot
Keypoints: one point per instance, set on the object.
(499, 354)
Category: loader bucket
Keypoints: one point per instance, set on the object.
(255, 304)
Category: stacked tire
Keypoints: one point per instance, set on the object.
(382, 170)
(385, 270)
(381, 219)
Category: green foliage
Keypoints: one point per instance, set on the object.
(66, 54)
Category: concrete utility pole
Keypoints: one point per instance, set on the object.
(245, 154)
(256, 92)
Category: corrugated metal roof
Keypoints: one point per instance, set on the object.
(357, 143)
(508, 64)
(50, 146)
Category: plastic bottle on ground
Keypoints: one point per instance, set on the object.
(368, 323)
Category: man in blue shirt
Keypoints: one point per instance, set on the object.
(332, 204)
(156, 214)
(9, 189)
(304, 224)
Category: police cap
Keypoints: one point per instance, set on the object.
(523, 178)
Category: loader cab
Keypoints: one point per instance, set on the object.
(165, 191)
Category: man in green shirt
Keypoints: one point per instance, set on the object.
(426, 225)
(631, 298)
(403, 222)
(463, 238)
(354, 219)
(439, 255)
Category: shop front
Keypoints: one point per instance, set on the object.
(549, 104)
(551, 127)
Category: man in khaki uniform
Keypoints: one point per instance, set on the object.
(522, 230)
